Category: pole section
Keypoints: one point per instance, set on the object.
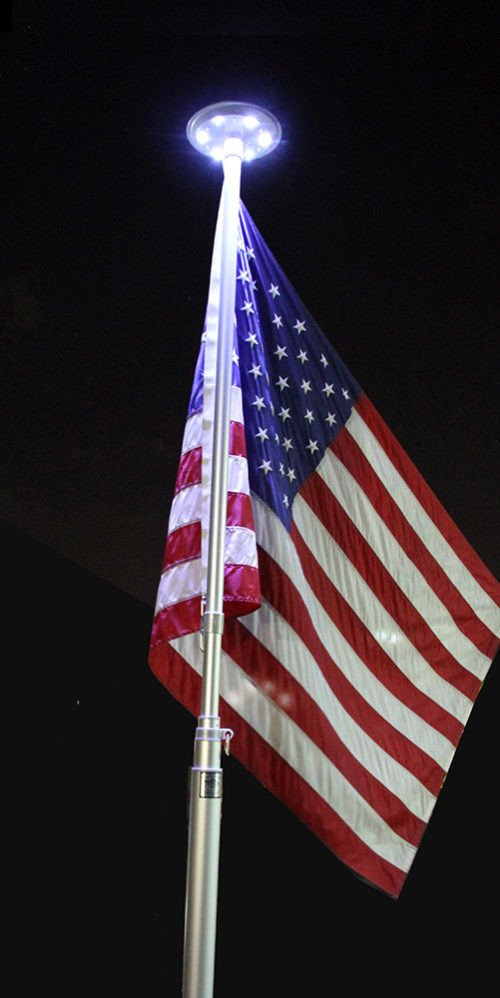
(205, 779)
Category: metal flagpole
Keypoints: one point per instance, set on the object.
(232, 133)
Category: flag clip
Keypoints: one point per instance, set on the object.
(227, 734)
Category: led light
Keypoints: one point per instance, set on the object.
(234, 128)
(202, 136)
(264, 140)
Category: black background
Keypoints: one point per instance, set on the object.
(380, 205)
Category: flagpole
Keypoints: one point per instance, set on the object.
(231, 132)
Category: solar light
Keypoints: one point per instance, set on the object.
(256, 131)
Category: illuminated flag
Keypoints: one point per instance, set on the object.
(349, 686)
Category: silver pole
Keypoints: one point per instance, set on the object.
(231, 131)
(205, 784)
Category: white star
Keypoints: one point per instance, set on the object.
(282, 383)
(277, 321)
(323, 360)
(291, 474)
(328, 390)
(274, 290)
(276, 438)
(345, 393)
(312, 446)
(253, 284)
(309, 416)
(248, 308)
(241, 244)
(331, 418)
(259, 402)
(284, 414)
(243, 276)
(302, 356)
(280, 352)
(262, 434)
(251, 339)
(300, 326)
(287, 443)
(286, 501)
(235, 357)
(250, 252)
(266, 467)
(306, 386)
(282, 469)
(256, 371)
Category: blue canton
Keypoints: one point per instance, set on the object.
(297, 393)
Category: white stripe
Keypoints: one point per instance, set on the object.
(237, 474)
(300, 752)
(194, 424)
(482, 604)
(178, 583)
(281, 640)
(185, 508)
(240, 547)
(192, 433)
(402, 569)
(368, 608)
(273, 537)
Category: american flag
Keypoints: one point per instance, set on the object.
(360, 624)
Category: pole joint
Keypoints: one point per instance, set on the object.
(213, 622)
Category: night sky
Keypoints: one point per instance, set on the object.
(381, 207)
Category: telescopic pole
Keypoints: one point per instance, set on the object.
(205, 790)
(232, 133)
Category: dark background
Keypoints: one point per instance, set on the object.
(381, 206)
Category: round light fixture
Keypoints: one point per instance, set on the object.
(257, 131)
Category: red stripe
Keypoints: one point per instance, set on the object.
(352, 457)
(371, 653)
(278, 590)
(183, 544)
(277, 683)
(189, 470)
(427, 499)
(239, 510)
(335, 520)
(237, 441)
(176, 620)
(277, 776)
(241, 590)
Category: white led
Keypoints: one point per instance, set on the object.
(218, 120)
(264, 139)
(202, 136)
(250, 121)
(217, 153)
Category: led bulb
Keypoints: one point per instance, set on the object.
(264, 140)
(202, 136)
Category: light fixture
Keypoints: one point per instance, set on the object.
(256, 131)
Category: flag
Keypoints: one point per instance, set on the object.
(360, 624)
